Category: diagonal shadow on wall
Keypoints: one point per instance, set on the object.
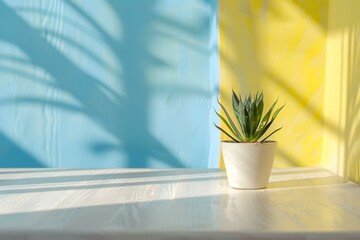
(12, 155)
(138, 147)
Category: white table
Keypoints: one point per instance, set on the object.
(303, 203)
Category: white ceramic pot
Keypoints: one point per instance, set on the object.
(248, 165)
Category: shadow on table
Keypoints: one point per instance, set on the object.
(280, 171)
(307, 182)
(104, 176)
(237, 215)
(98, 181)
(107, 185)
(38, 170)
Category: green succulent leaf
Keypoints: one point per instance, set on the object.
(227, 134)
(233, 127)
(249, 115)
(260, 109)
(235, 99)
(261, 97)
(262, 130)
(266, 118)
(248, 103)
(247, 124)
(270, 134)
(229, 127)
(241, 101)
(253, 119)
(240, 115)
(277, 111)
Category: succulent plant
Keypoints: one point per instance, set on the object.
(252, 125)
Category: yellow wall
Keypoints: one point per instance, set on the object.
(307, 53)
(341, 149)
(279, 47)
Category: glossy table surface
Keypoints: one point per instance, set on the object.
(299, 203)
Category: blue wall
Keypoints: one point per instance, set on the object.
(122, 83)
